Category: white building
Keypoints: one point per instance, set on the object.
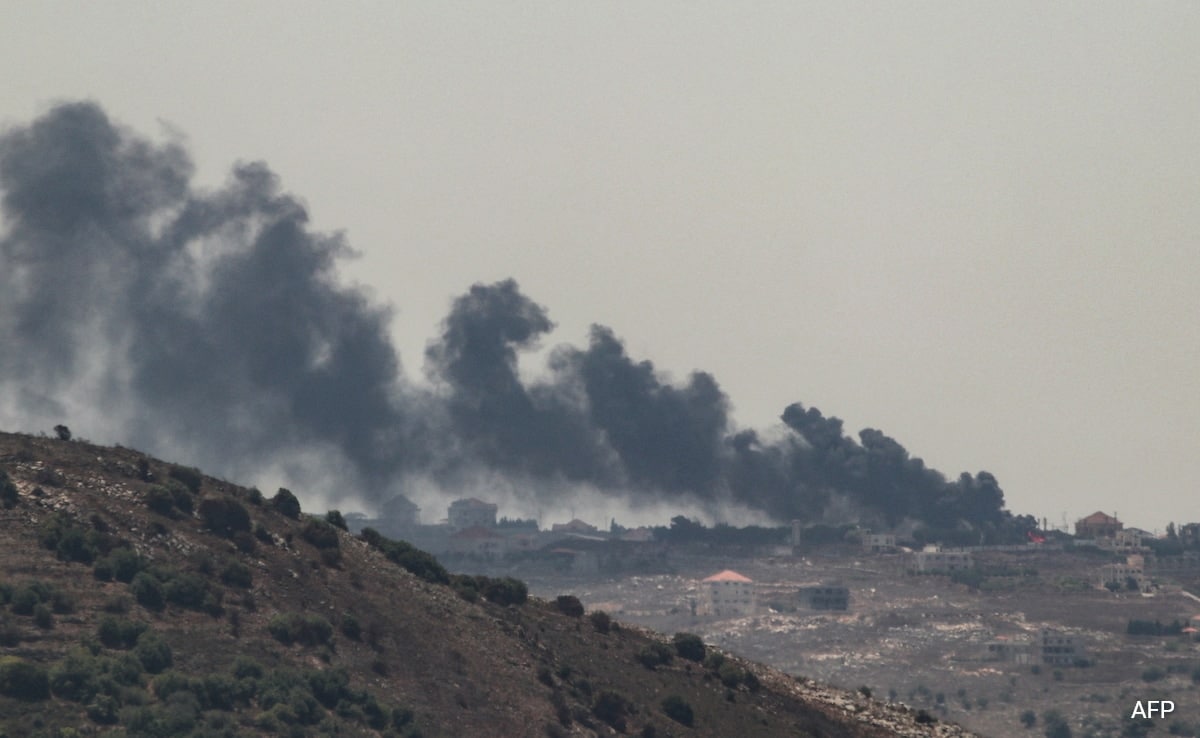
(879, 542)
(934, 559)
(728, 594)
(470, 513)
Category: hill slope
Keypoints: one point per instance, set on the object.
(144, 598)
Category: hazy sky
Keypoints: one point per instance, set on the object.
(972, 226)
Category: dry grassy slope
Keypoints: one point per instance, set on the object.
(466, 669)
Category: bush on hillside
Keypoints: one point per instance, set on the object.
(676, 708)
(612, 708)
(689, 646)
(224, 515)
(406, 555)
(334, 518)
(23, 680)
(8, 491)
(189, 476)
(320, 534)
(307, 630)
(569, 605)
(286, 503)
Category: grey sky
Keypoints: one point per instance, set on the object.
(971, 226)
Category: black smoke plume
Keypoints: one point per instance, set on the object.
(210, 325)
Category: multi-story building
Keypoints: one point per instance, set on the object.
(825, 598)
(1059, 649)
(470, 512)
(934, 559)
(879, 542)
(728, 594)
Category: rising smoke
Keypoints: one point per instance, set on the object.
(210, 326)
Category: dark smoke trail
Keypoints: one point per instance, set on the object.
(211, 326)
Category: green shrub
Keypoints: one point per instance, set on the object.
(125, 563)
(676, 708)
(153, 652)
(714, 660)
(731, 676)
(159, 500)
(334, 518)
(190, 477)
(506, 591)
(601, 621)
(307, 630)
(569, 605)
(186, 590)
(612, 708)
(286, 503)
(42, 617)
(116, 632)
(689, 646)
(103, 710)
(24, 599)
(328, 686)
(10, 634)
(655, 655)
(236, 574)
(60, 534)
(23, 680)
(320, 534)
(1153, 674)
(74, 677)
(247, 668)
(148, 591)
(9, 496)
(351, 627)
(224, 515)
(414, 560)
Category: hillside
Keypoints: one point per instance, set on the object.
(142, 598)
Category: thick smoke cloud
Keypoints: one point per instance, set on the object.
(211, 319)
(211, 325)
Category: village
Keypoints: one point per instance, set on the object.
(986, 636)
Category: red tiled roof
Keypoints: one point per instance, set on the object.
(728, 576)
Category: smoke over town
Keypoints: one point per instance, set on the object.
(211, 326)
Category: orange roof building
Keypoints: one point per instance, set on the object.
(728, 576)
(1097, 525)
(728, 594)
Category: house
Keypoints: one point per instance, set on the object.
(1059, 649)
(1129, 539)
(728, 594)
(879, 542)
(934, 559)
(1016, 653)
(478, 541)
(1097, 525)
(1119, 575)
(1050, 647)
(400, 512)
(825, 598)
(575, 526)
(470, 513)
(1189, 534)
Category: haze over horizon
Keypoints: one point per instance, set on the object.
(971, 228)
